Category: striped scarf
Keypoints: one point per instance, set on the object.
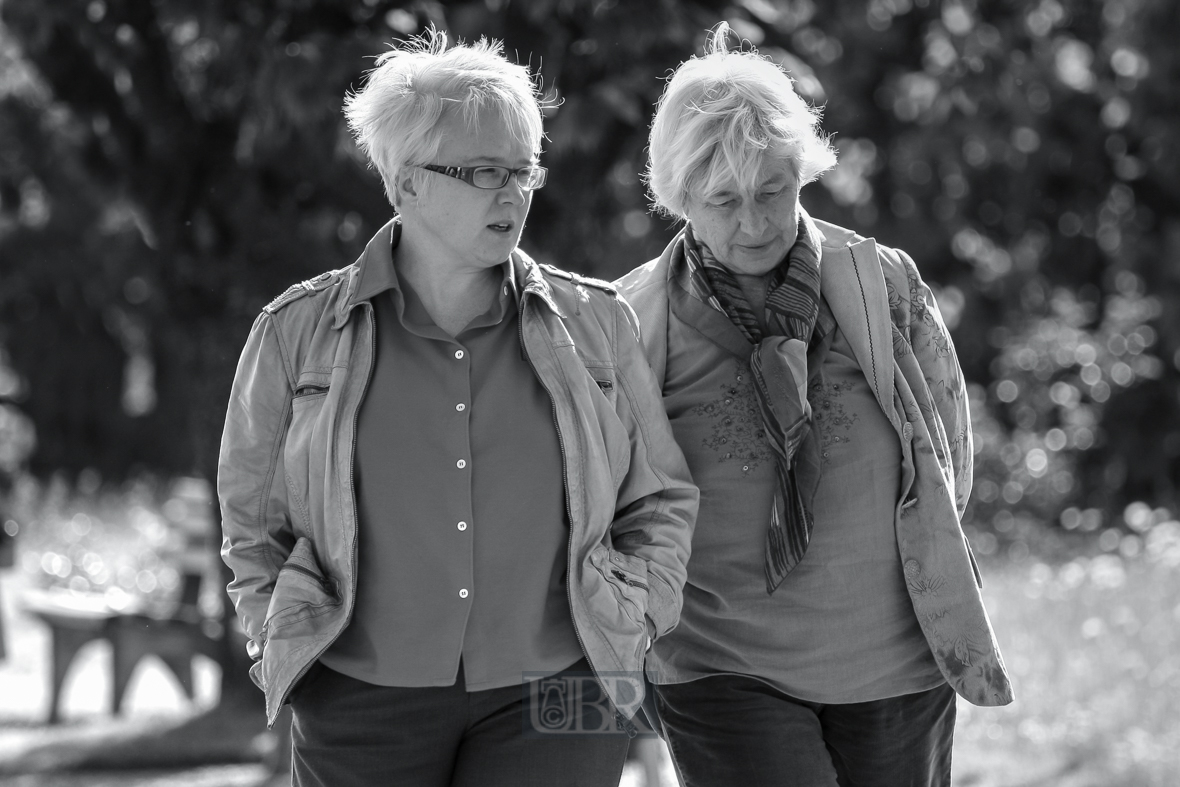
(794, 310)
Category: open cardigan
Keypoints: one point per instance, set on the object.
(893, 324)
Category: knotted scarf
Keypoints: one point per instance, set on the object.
(794, 311)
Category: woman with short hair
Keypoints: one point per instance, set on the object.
(831, 609)
(453, 506)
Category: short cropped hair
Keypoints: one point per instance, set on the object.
(718, 117)
(397, 115)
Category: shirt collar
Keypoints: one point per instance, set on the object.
(374, 270)
(377, 273)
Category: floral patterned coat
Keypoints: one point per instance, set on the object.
(893, 324)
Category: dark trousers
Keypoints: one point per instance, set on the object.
(731, 730)
(348, 733)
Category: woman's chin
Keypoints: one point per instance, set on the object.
(752, 265)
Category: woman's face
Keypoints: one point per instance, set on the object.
(469, 227)
(750, 233)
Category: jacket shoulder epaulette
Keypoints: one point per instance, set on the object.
(577, 278)
(303, 288)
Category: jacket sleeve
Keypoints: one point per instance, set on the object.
(935, 354)
(646, 292)
(656, 506)
(256, 528)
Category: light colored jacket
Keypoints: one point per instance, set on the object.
(893, 324)
(285, 476)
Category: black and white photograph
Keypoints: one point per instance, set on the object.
(589, 393)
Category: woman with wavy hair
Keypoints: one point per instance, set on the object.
(831, 611)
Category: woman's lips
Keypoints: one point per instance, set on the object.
(756, 246)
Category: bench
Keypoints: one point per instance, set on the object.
(75, 620)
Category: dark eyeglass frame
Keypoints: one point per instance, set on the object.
(468, 175)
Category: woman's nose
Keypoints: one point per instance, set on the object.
(512, 192)
(751, 218)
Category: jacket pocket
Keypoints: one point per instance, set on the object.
(301, 591)
(296, 626)
(306, 393)
(627, 576)
(604, 379)
(307, 405)
(598, 397)
(310, 385)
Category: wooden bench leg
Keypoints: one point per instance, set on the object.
(132, 636)
(122, 667)
(173, 642)
(66, 644)
(181, 665)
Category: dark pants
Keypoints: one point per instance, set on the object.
(347, 733)
(730, 730)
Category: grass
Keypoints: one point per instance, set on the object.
(1093, 646)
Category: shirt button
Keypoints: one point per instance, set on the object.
(460, 407)
(458, 355)
(461, 464)
(463, 593)
(462, 525)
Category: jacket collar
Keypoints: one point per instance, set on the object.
(527, 273)
(853, 284)
(374, 273)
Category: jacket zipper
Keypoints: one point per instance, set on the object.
(324, 581)
(565, 482)
(635, 583)
(310, 390)
(352, 489)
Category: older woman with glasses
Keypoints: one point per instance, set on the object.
(831, 611)
(446, 472)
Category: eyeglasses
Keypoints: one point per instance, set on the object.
(528, 178)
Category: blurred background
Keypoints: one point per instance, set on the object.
(167, 167)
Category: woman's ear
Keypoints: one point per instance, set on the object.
(404, 189)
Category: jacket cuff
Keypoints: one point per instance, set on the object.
(256, 675)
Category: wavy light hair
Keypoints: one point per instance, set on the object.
(397, 115)
(719, 116)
